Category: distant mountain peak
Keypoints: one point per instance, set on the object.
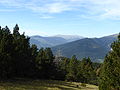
(37, 36)
(70, 37)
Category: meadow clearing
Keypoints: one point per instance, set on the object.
(44, 85)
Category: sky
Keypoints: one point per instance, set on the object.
(88, 18)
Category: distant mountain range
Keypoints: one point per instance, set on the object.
(95, 48)
(68, 45)
(70, 38)
(51, 41)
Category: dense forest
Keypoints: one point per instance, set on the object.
(19, 59)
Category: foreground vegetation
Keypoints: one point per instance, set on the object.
(44, 85)
(19, 59)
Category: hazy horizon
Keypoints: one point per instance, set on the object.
(69, 35)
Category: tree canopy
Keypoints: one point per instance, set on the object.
(110, 70)
(19, 59)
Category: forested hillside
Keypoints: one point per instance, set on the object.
(110, 70)
(95, 48)
(19, 59)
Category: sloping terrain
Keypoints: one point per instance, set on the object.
(47, 41)
(95, 48)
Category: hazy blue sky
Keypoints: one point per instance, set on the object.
(90, 18)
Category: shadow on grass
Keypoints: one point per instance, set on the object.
(28, 84)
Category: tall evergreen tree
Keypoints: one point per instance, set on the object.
(86, 73)
(72, 69)
(22, 54)
(50, 67)
(34, 53)
(110, 70)
(6, 48)
(40, 61)
(63, 67)
(45, 64)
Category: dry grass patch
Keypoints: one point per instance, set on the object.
(43, 85)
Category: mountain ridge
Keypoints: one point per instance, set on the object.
(50, 41)
(95, 48)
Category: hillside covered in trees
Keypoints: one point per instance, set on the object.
(95, 48)
(19, 59)
(110, 70)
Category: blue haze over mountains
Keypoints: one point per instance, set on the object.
(51, 41)
(68, 45)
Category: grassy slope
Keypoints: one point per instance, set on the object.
(43, 85)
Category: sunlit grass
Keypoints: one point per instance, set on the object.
(43, 85)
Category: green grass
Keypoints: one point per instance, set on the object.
(43, 85)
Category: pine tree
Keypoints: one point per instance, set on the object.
(22, 54)
(110, 71)
(45, 64)
(72, 69)
(64, 66)
(86, 73)
(40, 58)
(34, 50)
(34, 53)
(6, 48)
(16, 30)
(49, 56)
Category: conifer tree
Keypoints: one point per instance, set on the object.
(110, 70)
(49, 64)
(45, 64)
(72, 69)
(6, 47)
(22, 53)
(86, 73)
(34, 53)
(64, 66)
(40, 58)
(34, 50)
(16, 30)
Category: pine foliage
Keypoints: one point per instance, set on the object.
(110, 71)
